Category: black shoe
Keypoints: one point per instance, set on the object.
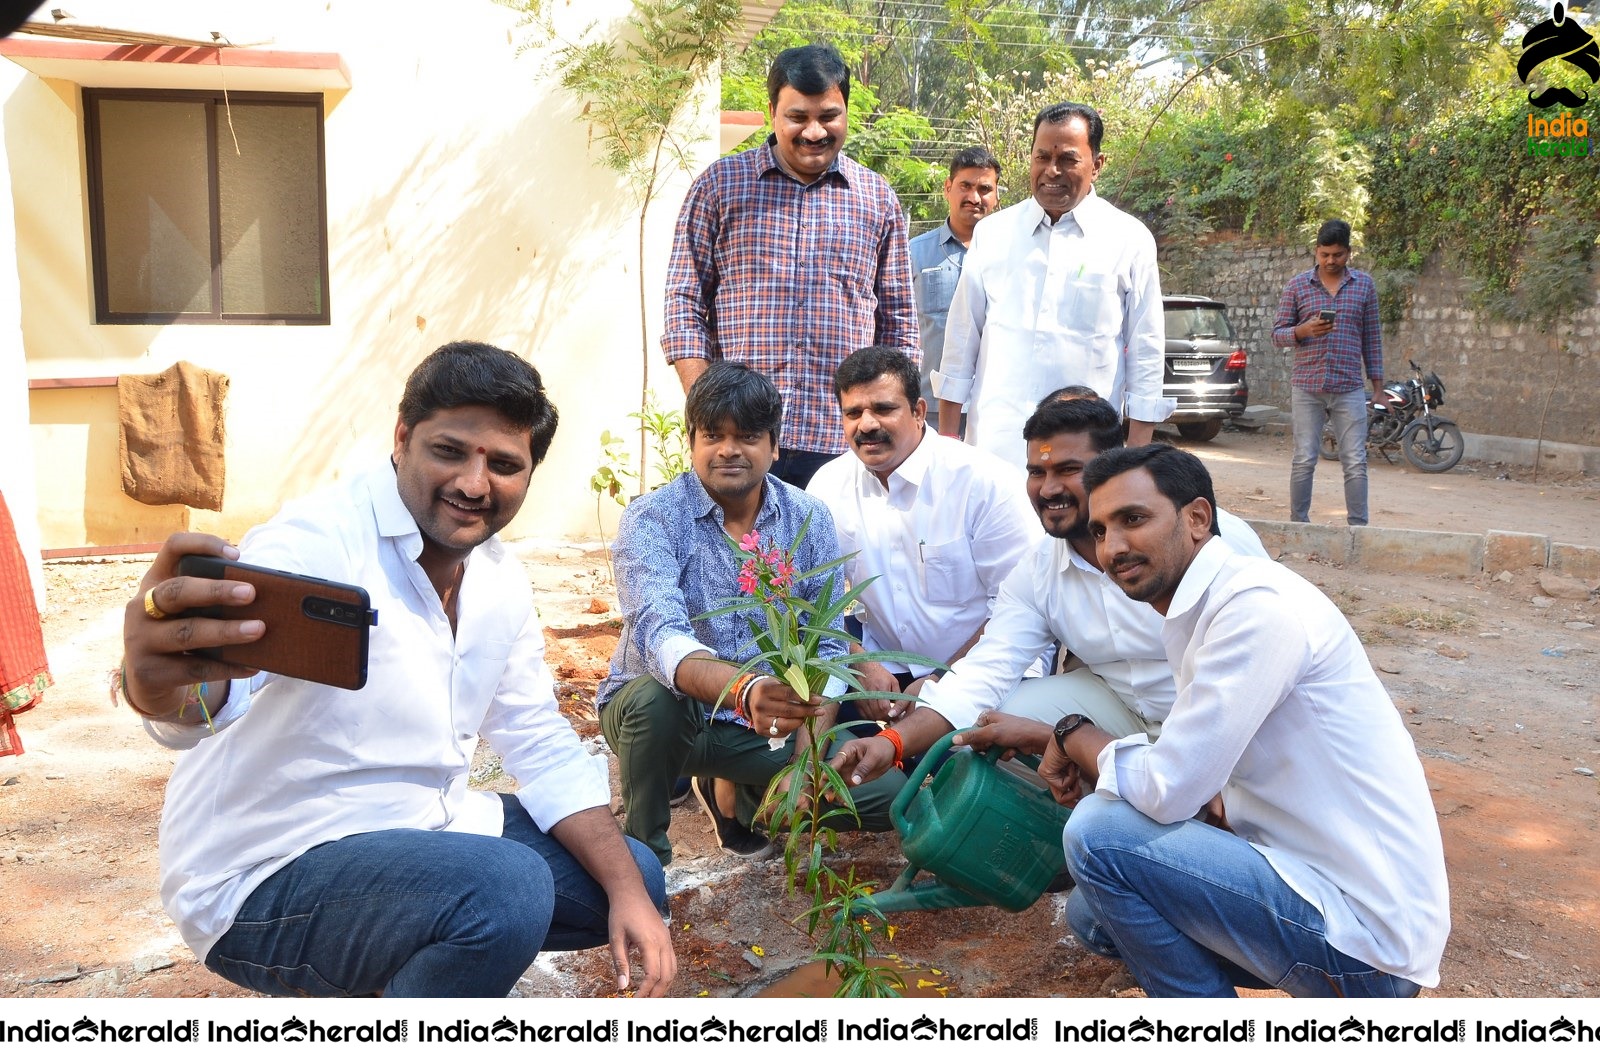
(732, 836)
(680, 792)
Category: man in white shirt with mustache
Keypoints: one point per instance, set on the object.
(1059, 289)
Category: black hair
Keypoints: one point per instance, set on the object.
(727, 390)
(868, 363)
(1071, 392)
(1334, 233)
(474, 373)
(1092, 416)
(810, 70)
(974, 158)
(1179, 475)
(1061, 113)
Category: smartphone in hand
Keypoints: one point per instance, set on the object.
(317, 630)
(1326, 316)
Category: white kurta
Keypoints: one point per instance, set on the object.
(1042, 305)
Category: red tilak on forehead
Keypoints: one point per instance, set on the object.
(482, 450)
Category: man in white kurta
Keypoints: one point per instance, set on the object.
(1280, 833)
(936, 525)
(1059, 289)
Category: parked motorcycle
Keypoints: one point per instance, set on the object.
(1402, 415)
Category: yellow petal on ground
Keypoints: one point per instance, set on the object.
(758, 951)
(923, 984)
(703, 993)
(935, 971)
(889, 929)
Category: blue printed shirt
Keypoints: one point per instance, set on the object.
(674, 562)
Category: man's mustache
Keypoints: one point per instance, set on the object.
(1558, 94)
(872, 437)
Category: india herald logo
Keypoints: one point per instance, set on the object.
(1559, 38)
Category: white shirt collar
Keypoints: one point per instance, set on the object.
(1198, 578)
(912, 470)
(1084, 215)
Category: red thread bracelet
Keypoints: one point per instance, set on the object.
(899, 745)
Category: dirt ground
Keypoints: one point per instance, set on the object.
(1495, 676)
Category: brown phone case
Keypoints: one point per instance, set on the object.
(316, 630)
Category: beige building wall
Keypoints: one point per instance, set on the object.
(464, 201)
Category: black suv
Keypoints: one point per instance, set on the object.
(1205, 366)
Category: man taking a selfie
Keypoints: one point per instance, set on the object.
(323, 842)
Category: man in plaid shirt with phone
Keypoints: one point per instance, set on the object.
(1329, 316)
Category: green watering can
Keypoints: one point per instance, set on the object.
(987, 835)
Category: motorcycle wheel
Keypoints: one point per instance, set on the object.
(1330, 444)
(1437, 450)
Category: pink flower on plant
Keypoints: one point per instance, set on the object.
(751, 542)
(749, 580)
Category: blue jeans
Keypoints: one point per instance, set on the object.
(1195, 911)
(1348, 414)
(412, 913)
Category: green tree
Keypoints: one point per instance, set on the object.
(636, 90)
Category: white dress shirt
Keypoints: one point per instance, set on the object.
(939, 540)
(1042, 305)
(1279, 710)
(1056, 596)
(295, 764)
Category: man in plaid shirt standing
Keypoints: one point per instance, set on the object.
(790, 256)
(1329, 316)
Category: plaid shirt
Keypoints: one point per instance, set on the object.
(1334, 363)
(790, 279)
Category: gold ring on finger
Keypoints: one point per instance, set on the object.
(150, 607)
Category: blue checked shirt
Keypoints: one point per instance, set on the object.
(673, 562)
(1346, 357)
(790, 279)
(936, 259)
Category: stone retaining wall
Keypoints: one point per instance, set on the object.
(1500, 379)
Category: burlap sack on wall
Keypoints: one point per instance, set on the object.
(172, 434)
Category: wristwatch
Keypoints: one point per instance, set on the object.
(1066, 727)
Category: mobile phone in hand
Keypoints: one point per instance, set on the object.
(317, 630)
(1326, 315)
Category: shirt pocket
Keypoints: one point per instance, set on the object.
(936, 287)
(1095, 309)
(847, 254)
(948, 576)
(479, 672)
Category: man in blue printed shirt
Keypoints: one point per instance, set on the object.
(673, 563)
(1329, 316)
(972, 192)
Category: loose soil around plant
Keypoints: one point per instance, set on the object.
(1495, 677)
